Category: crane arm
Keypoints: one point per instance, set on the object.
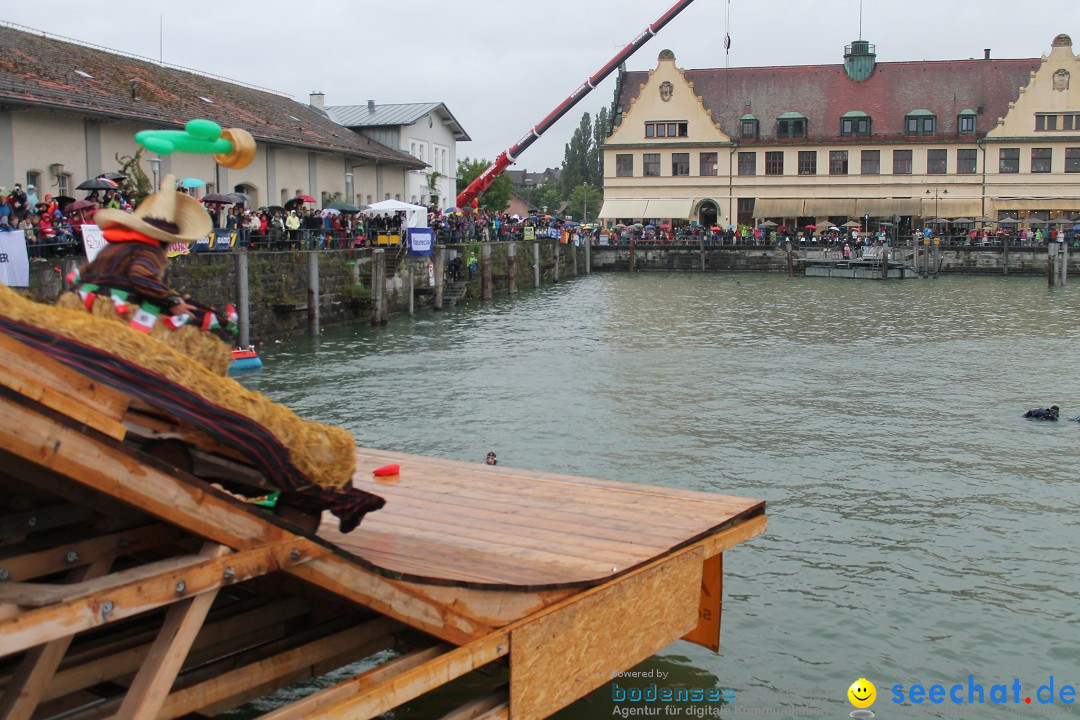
(507, 157)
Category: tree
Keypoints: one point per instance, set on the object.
(576, 158)
(497, 196)
(596, 161)
(585, 202)
(547, 195)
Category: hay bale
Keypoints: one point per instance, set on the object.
(323, 453)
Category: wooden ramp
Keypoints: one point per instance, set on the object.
(132, 587)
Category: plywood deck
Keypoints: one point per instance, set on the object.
(453, 522)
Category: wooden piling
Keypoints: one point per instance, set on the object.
(555, 270)
(440, 282)
(511, 268)
(790, 259)
(884, 262)
(937, 257)
(633, 252)
(1051, 264)
(485, 271)
(379, 314)
(412, 288)
(313, 293)
(701, 251)
(1064, 252)
(588, 257)
(243, 299)
(536, 263)
(1005, 254)
(572, 247)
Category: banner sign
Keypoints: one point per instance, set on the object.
(420, 241)
(530, 232)
(14, 263)
(93, 240)
(177, 248)
(223, 240)
(604, 238)
(201, 245)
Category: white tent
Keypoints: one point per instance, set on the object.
(415, 215)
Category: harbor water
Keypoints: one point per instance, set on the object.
(920, 530)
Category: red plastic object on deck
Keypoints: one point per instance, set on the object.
(387, 470)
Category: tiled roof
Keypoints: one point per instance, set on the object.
(353, 116)
(823, 93)
(39, 71)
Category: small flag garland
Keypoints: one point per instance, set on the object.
(120, 300)
(87, 293)
(144, 318)
(175, 322)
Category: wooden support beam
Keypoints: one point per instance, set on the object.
(124, 595)
(729, 538)
(37, 669)
(315, 702)
(374, 700)
(155, 678)
(83, 552)
(488, 707)
(96, 464)
(45, 518)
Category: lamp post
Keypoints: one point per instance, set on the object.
(348, 187)
(937, 193)
(155, 166)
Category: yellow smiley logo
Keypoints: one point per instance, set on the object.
(862, 693)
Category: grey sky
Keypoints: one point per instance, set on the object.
(501, 66)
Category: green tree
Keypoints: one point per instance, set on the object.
(596, 161)
(585, 202)
(547, 195)
(577, 156)
(497, 196)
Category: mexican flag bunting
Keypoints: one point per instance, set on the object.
(231, 314)
(210, 321)
(175, 322)
(120, 300)
(87, 293)
(73, 277)
(144, 318)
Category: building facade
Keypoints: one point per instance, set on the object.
(428, 132)
(69, 113)
(904, 143)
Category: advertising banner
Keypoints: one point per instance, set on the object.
(14, 263)
(93, 240)
(421, 241)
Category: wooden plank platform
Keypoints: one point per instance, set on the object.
(132, 587)
(478, 525)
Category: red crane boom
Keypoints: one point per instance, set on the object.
(507, 157)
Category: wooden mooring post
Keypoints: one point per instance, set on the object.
(588, 257)
(485, 271)
(633, 253)
(884, 262)
(511, 268)
(536, 263)
(313, 292)
(1005, 254)
(440, 281)
(572, 247)
(701, 252)
(555, 270)
(243, 299)
(790, 259)
(1057, 263)
(379, 314)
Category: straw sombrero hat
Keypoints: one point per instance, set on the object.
(166, 216)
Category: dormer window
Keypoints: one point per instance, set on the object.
(855, 124)
(965, 122)
(920, 122)
(791, 125)
(748, 127)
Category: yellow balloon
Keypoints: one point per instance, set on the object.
(862, 693)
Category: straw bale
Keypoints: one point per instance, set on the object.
(323, 453)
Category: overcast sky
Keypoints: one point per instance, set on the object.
(502, 65)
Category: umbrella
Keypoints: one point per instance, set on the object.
(79, 205)
(343, 207)
(665, 226)
(1008, 221)
(241, 197)
(304, 198)
(938, 221)
(62, 200)
(113, 176)
(984, 219)
(731, 227)
(963, 221)
(96, 184)
(1076, 227)
(767, 223)
(451, 210)
(192, 183)
(811, 227)
(715, 228)
(330, 211)
(851, 224)
(650, 226)
(219, 199)
(272, 208)
(833, 227)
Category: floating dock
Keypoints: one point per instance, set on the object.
(132, 585)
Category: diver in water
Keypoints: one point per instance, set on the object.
(491, 459)
(1050, 413)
